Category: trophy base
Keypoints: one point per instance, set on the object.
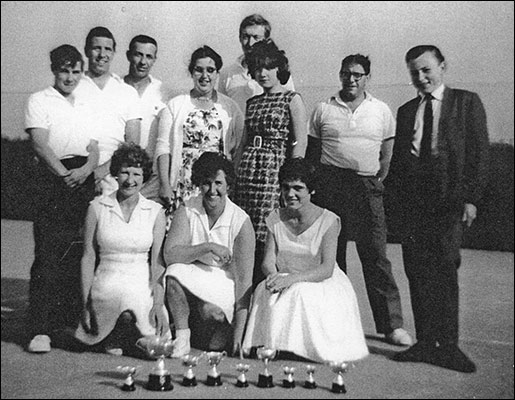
(288, 384)
(189, 381)
(265, 381)
(338, 388)
(242, 383)
(213, 381)
(128, 388)
(310, 385)
(159, 383)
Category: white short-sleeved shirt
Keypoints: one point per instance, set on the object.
(236, 83)
(69, 125)
(113, 106)
(352, 140)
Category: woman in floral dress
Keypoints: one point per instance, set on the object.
(191, 124)
(275, 128)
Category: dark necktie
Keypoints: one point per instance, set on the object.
(427, 130)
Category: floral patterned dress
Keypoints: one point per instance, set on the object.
(267, 122)
(202, 131)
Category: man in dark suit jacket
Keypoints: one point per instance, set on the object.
(438, 173)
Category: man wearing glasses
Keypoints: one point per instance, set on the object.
(351, 139)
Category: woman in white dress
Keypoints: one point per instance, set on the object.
(209, 251)
(306, 305)
(120, 231)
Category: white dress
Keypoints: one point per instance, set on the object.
(209, 281)
(316, 320)
(121, 280)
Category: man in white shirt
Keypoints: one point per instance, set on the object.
(351, 139)
(115, 104)
(235, 80)
(142, 55)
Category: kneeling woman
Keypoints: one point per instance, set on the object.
(306, 305)
(120, 231)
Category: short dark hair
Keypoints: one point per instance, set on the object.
(266, 54)
(131, 155)
(142, 39)
(65, 55)
(204, 52)
(299, 169)
(98, 31)
(356, 59)
(207, 166)
(417, 51)
(256, 19)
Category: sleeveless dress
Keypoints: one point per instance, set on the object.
(210, 281)
(121, 280)
(316, 320)
(202, 131)
(267, 123)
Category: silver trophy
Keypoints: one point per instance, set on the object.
(310, 383)
(158, 347)
(339, 368)
(214, 358)
(189, 362)
(266, 379)
(288, 381)
(242, 368)
(128, 384)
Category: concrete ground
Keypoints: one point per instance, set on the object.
(486, 281)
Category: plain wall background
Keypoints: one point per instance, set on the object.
(475, 37)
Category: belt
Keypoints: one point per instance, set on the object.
(257, 141)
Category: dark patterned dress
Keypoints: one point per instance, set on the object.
(268, 125)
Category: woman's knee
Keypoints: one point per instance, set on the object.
(209, 311)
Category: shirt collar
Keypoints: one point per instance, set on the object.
(336, 97)
(111, 202)
(437, 93)
(225, 219)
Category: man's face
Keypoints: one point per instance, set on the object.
(141, 57)
(66, 78)
(100, 55)
(354, 81)
(426, 72)
(250, 35)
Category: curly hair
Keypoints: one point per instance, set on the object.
(207, 166)
(65, 55)
(299, 169)
(131, 155)
(266, 54)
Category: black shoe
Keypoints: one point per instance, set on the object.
(420, 352)
(451, 357)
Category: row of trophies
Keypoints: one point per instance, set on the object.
(160, 379)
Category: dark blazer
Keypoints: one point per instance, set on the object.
(462, 148)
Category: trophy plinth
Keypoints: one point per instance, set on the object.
(310, 383)
(266, 380)
(241, 381)
(189, 362)
(157, 347)
(213, 376)
(288, 381)
(128, 384)
(339, 368)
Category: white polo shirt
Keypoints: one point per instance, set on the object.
(112, 106)
(352, 140)
(70, 126)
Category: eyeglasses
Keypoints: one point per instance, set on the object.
(356, 75)
(200, 70)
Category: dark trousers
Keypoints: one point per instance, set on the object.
(431, 253)
(55, 299)
(358, 201)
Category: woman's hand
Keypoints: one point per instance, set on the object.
(279, 281)
(221, 254)
(158, 319)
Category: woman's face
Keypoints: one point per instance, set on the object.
(130, 180)
(267, 78)
(204, 75)
(214, 191)
(295, 194)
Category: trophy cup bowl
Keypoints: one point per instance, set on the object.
(158, 348)
(242, 368)
(189, 362)
(310, 383)
(214, 358)
(266, 379)
(339, 368)
(288, 382)
(128, 384)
